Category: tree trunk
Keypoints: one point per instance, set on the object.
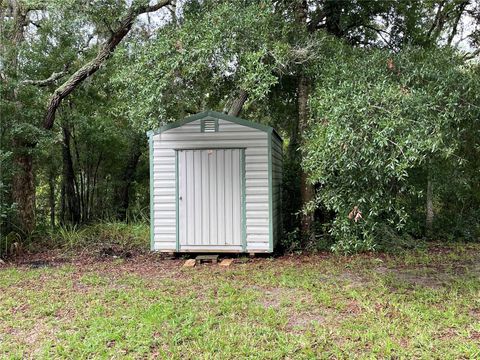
(333, 10)
(63, 209)
(429, 206)
(238, 103)
(94, 187)
(23, 187)
(123, 193)
(306, 189)
(51, 198)
(80, 183)
(292, 198)
(23, 181)
(72, 208)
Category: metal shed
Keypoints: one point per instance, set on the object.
(215, 185)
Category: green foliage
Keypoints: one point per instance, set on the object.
(199, 63)
(389, 107)
(379, 128)
(60, 37)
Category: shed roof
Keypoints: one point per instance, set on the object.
(215, 115)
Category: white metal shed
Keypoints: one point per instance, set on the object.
(215, 185)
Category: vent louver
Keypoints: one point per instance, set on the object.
(209, 125)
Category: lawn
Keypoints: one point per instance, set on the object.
(422, 304)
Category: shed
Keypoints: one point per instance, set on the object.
(215, 185)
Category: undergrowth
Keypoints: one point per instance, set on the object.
(104, 235)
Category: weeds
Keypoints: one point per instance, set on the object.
(116, 235)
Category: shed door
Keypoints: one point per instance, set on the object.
(210, 198)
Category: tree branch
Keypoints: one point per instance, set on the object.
(436, 21)
(37, 25)
(317, 18)
(460, 12)
(471, 55)
(91, 67)
(45, 82)
(379, 32)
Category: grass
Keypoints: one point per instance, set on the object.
(113, 235)
(422, 304)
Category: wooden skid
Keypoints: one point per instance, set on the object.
(203, 258)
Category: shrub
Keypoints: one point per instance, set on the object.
(381, 125)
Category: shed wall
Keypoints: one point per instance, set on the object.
(277, 174)
(229, 135)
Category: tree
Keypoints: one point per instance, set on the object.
(82, 81)
(17, 16)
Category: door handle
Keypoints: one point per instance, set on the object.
(179, 198)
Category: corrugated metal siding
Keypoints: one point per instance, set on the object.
(230, 135)
(277, 174)
(164, 195)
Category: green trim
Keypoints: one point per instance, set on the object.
(244, 199)
(152, 220)
(270, 192)
(202, 124)
(177, 206)
(215, 115)
(179, 123)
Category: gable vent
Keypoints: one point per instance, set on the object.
(209, 125)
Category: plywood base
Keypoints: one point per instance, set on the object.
(215, 250)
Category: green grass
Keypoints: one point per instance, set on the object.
(118, 236)
(423, 304)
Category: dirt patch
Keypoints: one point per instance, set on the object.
(301, 321)
(435, 275)
(153, 266)
(272, 297)
(351, 280)
(352, 308)
(475, 335)
(32, 337)
(301, 310)
(448, 334)
(428, 280)
(23, 308)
